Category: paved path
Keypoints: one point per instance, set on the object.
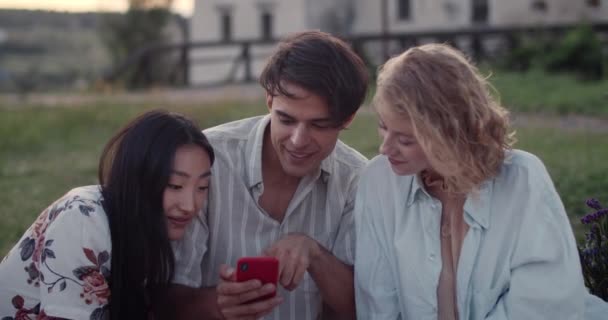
(189, 96)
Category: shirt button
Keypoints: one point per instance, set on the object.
(432, 257)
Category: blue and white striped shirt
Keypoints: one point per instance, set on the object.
(236, 226)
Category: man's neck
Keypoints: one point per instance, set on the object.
(272, 170)
(279, 187)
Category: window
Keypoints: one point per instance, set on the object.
(480, 11)
(539, 5)
(403, 9)
(226, 25)
(266, 25)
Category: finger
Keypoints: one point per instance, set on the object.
(263, 314)
(252, 309)
(298, 276)
(227, 273)
(282, 258)
(229, 301)
(235, 288)
(291, 263)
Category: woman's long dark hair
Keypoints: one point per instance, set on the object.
(134, 170)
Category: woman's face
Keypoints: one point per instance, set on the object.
(399, 144)
(186, 192)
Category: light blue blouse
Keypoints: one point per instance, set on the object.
(518, 261)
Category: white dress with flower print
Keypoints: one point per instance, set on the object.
(61, 265)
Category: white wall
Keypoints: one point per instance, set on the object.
(334, 16)
(288, 16)
(424, 15)
(517, 12)
(446, 14)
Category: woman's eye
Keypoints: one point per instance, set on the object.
(321, 126)
(406, 142)
(174, 186)
(203, 188)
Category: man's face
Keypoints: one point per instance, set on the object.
(301, 130)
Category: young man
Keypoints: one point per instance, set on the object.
(283, 186)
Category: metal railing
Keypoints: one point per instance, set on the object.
(140, 65)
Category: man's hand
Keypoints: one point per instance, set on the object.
(232, 297)
(295, 252)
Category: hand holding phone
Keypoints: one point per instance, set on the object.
(246, 299)
(264, 269)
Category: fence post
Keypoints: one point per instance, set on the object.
(477, 47)
(246, 56)
(186, 64)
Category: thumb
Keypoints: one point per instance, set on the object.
(227, 273)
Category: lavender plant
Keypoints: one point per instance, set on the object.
(594, 250)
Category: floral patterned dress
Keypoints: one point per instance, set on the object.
(61, 265)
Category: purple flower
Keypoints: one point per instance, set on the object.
(594, 204)
(595, 216)
(590, 218)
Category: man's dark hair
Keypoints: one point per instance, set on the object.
(134, 171)
(321, 64)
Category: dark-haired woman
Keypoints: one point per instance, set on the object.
(104, 251)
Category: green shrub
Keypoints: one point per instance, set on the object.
(526, 54)
(579, 51)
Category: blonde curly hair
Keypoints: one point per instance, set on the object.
(461, 128)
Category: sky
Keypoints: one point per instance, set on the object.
(182, 6)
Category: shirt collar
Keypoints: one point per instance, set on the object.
(416, 190)
(253, 152)
(253, 156)
(476, 206)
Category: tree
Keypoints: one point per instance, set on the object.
(339, 18)
(141, 26)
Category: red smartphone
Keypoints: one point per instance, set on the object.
(265, 269)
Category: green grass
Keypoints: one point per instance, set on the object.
(539, 92)
(576, 162)
(45, 151)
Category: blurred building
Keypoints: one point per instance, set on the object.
(425, 15)
(3, 36)
(234, 20)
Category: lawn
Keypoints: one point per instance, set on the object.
(46, 151)
(536, 91)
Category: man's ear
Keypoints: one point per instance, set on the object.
(269, 100)
(348, 121)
